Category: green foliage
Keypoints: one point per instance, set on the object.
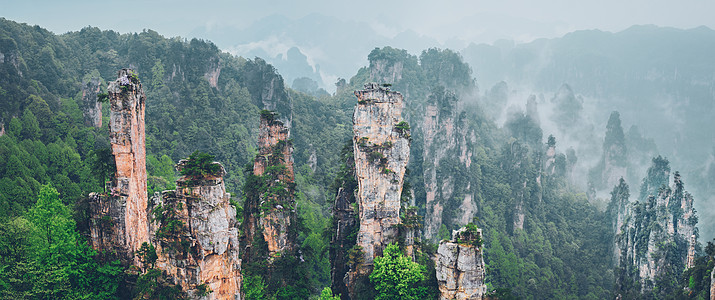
(200, 164)
(147, 255)
(254, 288)
(203, 290)
(396, 276)
(43, 257)
(355, 256)
(327, 294)
(103, 97)
(154, 285)
(470, 236)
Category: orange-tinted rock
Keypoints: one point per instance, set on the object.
(119, 218)
(272, 212)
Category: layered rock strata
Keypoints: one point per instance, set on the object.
(460, 267)
(195, 232)
(381, 148)
(119, 219)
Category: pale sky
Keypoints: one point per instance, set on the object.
(441, 20)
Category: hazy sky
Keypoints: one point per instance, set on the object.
(433, 18)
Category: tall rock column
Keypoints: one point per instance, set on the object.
(381, 147)
(448, 144)
(120, 218)
(275, 159)
(270, 204)
(460, 266)
(195, 232)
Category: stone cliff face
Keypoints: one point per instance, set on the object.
(665, 218)
(346, 226)
(273, 211)
(460, 267)
(213, 70)
(120, 219)
(614, 161)
(195, 232)
(712, 284)
(91, 108)
(618, 210)
(448, 143)
(381, 147)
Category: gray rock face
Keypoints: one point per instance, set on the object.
(205, 249)
(712, 284)
(448, 141)
(667, 217)
(382, 150)
(91, 108)
(460, 270)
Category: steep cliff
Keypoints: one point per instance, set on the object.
(618, 210)
(91, 108)
(381, 147)
(460, 266)
(270, 210)
(119, 219)
(657, 231)
(614, 161)
(345, 224)
(270, 223)
(712, 284)
(195, 232)
(448, 145)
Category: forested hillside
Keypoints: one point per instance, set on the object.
(542, 238)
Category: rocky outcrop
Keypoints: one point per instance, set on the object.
(196, 236)
(268, 90)
(91, 108)
(618, 210)
(345, 224)
(381, 147)
(213, 70)
(273, 211)
(657, 231)
(460, 266)
(614, 161)
(448, 144)
(119, 219)
(712, 284)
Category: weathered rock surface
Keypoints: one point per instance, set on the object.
(448, 143)
(618, 210)
(664, 218)
(204, 248)
(277, 210)
(460, 269)
(381, 149)
(91, 108)
(712, 284)
(344, 216)
(119, 220)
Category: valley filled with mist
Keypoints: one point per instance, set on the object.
(317, 157)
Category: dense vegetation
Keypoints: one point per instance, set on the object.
(50, 160)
